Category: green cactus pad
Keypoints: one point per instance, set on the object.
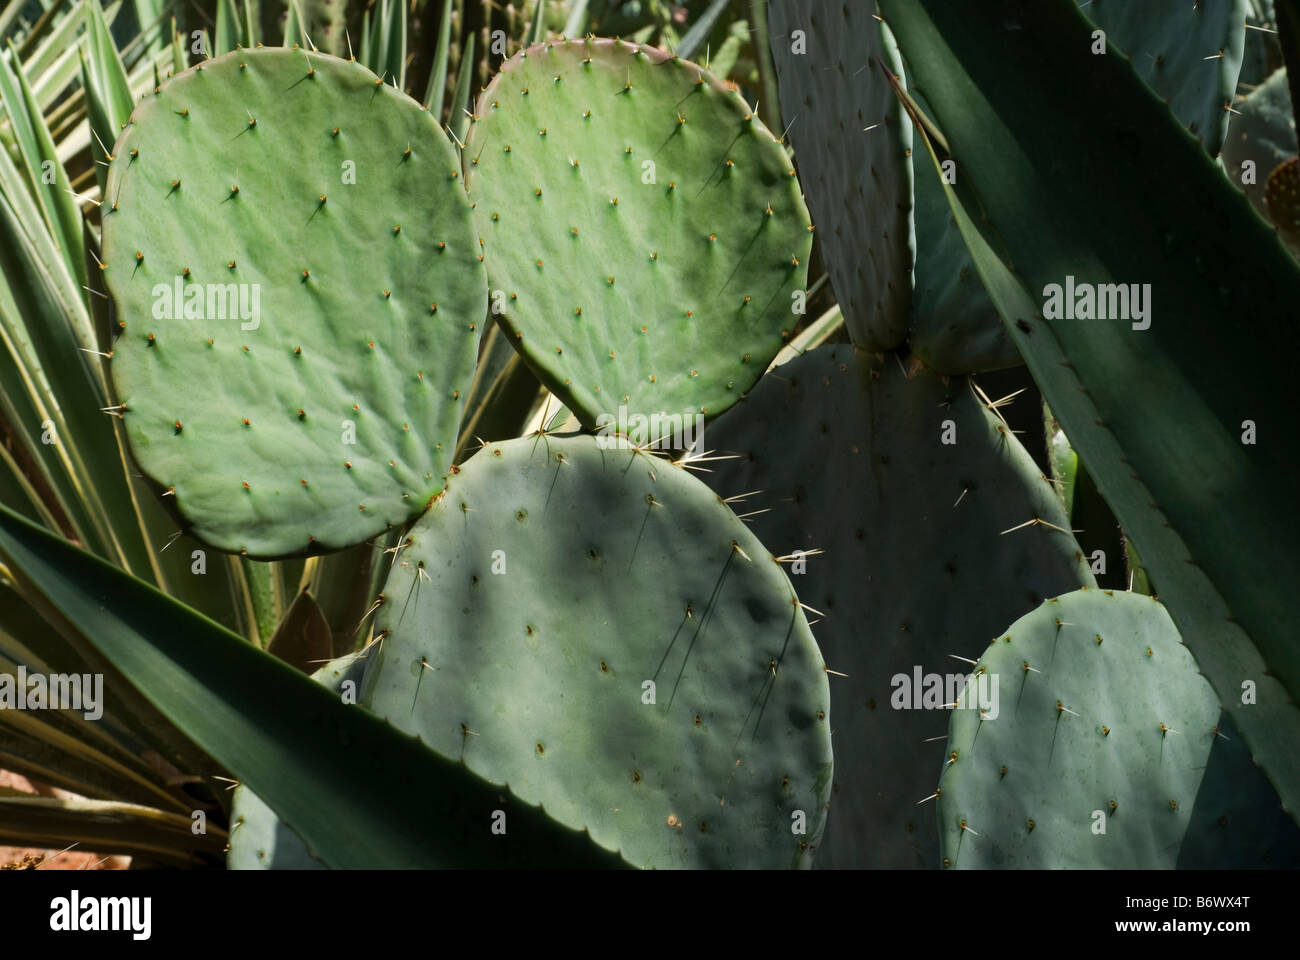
(850, 457)
(852, 144)
(1104, 724)
(668, 296)
(531, 607)
(1189, 53)
(1264, 134)
(329, 412)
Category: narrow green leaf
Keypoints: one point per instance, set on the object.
(257, 573)
(576, 25)
(364, 53)
(148, 14)
(227, 27)
(701, 29)
(49, 180)
(437, 91)
(537, 29)
(292, 24)
(461, 99)
(180, 62)
(770, 111)
(108, 71)
(504, 408)
(396, 64)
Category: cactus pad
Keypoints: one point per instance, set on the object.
(1190, 54)
(1263, 133)
(644, 233)
(1109, 750)
(597, 629)
(851, 459)
(303, 392)
(852, 144)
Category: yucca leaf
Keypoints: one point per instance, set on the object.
(701, 29)
(107, 827)
(228, 27)
(108, 71)
(461, 102)
(435, 95)
(49, 181)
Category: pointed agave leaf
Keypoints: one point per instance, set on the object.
(358, 792)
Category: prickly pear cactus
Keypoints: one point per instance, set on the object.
(1108, 750)
(935, 525)
(852, 143)
(597, 629)
(1190, 54)
(1261, 138)
(291, 258)
(645, 237)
